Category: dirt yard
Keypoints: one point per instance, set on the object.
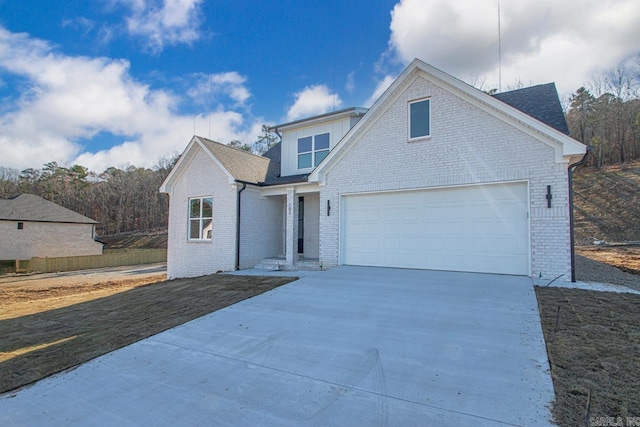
(54, 324)
(626, 258)
(595, 348)
(29, 294)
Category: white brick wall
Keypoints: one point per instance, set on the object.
(311, 225)
(467, 146)
(262, 227)
(202, 177)
(46, 239)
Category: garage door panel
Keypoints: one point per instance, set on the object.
(479, 228)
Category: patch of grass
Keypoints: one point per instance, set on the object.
(38, 345)
(595, 348)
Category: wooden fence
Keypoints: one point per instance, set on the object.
(110, 258)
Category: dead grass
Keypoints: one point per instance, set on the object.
(47, 341)
(626, 258)
(607, 204)
(595, 348)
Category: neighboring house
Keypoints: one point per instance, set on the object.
(31, 226)
(435, 175)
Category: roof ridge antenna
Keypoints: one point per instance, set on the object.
(499, 52)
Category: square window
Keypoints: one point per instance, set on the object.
(304, 145)
(304, 160)
(320, 155)
(321, 142)
(21, 226)
(419, 119)
(312, 150)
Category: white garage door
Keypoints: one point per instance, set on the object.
(476, 228)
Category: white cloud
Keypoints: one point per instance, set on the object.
(543, 40)
(210, 86)
(380, 88)
(313, 100)
(68, 100)
(164, 22)
(350, 85)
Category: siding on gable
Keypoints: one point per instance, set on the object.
(467, 146)
(202, 177)
(46, 239)
(289, 162)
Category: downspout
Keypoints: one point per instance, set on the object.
(571, 233)
(277, 133)
(239, 205)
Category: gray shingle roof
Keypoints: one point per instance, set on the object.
(241, 164)
(540, 102)
(29, 207)
(273, 174)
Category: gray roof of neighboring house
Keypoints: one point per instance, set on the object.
(241, 164)
(540, 102)
(29, 207)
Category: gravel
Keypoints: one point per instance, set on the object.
(588, 270)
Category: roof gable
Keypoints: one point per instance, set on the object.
(242, 165)
(567, 149)
(540, 102)
(29, 207)
(238, 165)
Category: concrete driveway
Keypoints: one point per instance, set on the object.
(353, 346)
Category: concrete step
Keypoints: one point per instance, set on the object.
(274, 264)
(280, 264)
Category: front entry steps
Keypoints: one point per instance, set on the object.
(280, 264)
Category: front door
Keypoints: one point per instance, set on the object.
(301, 225)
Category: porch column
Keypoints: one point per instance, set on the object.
(291, 240)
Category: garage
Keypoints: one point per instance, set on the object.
(480, 228)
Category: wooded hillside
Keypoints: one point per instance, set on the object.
(121, 200)
(605, 115)
(607, 204)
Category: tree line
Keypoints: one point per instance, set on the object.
(121, 200)
(605, 115)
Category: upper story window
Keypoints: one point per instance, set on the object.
(312, 150)
(21, 226)
(201, 218)
(419, 118)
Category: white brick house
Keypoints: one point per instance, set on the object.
(436, 175)
(31, 226)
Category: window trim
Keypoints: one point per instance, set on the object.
(421, 137)
(313, 151)
(200, 219)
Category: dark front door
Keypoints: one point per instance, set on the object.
(301, 225)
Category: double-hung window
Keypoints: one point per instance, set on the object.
(201, 218)
(312, 150)
(419, 119)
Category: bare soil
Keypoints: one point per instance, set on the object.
(624, 257)
(50, 326)
(607, 204)
(594, 349)
(28, 294)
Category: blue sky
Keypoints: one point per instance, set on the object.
(117, 82)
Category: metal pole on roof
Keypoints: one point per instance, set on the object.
(499, 52)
